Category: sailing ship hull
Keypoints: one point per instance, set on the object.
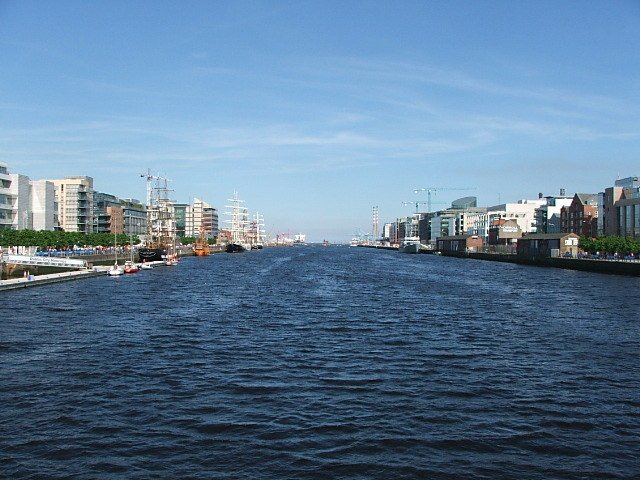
(236, 247)
(149, 254)
(201, 248)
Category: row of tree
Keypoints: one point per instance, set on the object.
(610, 244)
(46, 239)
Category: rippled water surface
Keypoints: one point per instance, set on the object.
(323, 362)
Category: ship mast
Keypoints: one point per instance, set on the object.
(160, 210)
(238, 220)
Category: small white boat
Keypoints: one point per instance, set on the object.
(146, 266)
(115, 270)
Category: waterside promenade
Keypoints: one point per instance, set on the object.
(34, 281)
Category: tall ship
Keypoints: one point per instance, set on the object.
(159, 242)
(256, 232)
(238, 225)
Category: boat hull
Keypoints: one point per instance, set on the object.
(201, 252)
(409, 248)
(235, 248)
(147, 254)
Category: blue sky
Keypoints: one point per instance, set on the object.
(315, 111)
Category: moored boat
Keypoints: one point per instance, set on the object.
(115, 270)
(130, 267)
(238, 226)
(409, 245)
(236, 247)
(161, 227)
(201, 247)
(152, 253)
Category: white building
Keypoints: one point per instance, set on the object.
(523, 212)
(26, 204)
(201, 214)
(21, 191)
(548, 214)
(7, 198)
(75, 203)
(43, 205)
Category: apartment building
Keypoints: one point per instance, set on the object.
(75, 203)
(201, 214)
(7, 198)
(548, 214)
(581, 217)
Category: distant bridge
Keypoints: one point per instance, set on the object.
(42, 261)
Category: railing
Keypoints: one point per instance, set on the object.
(42, 261)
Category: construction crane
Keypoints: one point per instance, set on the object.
(431, 190)
(417, 204)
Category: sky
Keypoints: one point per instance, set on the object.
(317, 111)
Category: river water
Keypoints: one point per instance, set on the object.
(323, 362)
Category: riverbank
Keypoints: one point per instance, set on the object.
(610, 267)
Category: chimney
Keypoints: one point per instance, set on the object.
(562, 192)
(540, 195)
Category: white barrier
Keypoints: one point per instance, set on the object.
(42, 261)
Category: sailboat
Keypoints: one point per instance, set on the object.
(129, 265)
(238, 221)
(115, 269)
(172, 255)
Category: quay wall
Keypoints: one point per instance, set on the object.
(610, 267)
(631, 268)
(379, 247)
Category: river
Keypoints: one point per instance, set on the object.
(322, 363)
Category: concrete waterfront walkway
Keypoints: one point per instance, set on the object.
(34, 281)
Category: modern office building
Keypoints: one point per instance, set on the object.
(134, 215)
(114, 215)
(180, 212)
(102, 202)
(621, 208)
